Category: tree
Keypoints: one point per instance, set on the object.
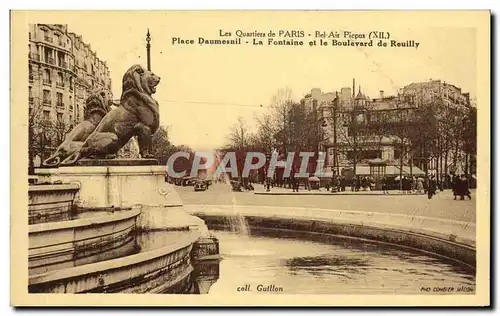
(281, 105)
(239, 135)
(41, 131)
(162, 148)
(34, 133)
(265, 137)
(469, 140)
(357, 134)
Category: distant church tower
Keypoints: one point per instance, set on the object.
(360, 100)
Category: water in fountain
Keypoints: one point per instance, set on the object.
(237, 222)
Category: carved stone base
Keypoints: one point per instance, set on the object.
(116, 182)
(128, 183)
(117, 162)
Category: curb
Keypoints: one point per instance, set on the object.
(335, 194)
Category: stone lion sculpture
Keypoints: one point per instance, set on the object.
(96, 107)
(137, 115)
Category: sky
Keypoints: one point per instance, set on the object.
(204, 89)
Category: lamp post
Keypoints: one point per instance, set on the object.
(335, 165)
(148, 49)
(268, 180)
(334, 114)
(334, 180)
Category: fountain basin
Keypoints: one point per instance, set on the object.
(165, 269)
(59, 245)
(276, 262)
(51, 202)
(454, 240)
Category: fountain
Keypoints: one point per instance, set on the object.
(105, 225)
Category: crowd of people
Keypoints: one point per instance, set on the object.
(406, 185)
(460, 187)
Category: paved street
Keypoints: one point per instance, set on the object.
(442, 205)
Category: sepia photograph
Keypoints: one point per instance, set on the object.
(250, 158)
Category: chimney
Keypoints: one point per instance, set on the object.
(381, 94)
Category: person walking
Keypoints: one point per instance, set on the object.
(431, 189)
(455, 186)
(404, 184)
(384, 185)
(420, 185)
(464, 188)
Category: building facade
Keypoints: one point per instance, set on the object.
(450, 107)
(383, 125)
(63, 70)
(343, 144)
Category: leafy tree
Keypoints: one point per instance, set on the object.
(162, 148)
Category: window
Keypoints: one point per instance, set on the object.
(315, 104)
(70, 119)
(46, 97)
(60, 59)
(345, 119)
(30, 73)
(49, 56)
(46, 77)
(59, 117)
(59, 99)
(60, 79)
(46, 115)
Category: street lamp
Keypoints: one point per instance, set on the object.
(268, 188)
(148, 49)
(334, 180)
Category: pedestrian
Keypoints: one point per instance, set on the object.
(420, 185)
(465, 188)
(404, 184)
(455, 186)
(295, 185)
(384, 185)
(431, 189)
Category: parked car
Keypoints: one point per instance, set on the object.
(236, 186)
(200, 186)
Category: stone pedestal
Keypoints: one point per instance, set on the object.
(118, 183)
(127, 183)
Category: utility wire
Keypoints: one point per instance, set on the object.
(214, 103)
(206, 102)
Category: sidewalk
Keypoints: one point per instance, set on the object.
(259, 190)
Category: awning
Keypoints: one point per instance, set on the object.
(414, 171)
(362, 170)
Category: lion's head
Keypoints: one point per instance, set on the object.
(98, 101)
(138, 78)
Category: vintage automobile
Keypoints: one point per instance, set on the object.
(200, 186)
(236, 186)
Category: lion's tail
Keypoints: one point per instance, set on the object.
(71, 159)
(52, 161)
